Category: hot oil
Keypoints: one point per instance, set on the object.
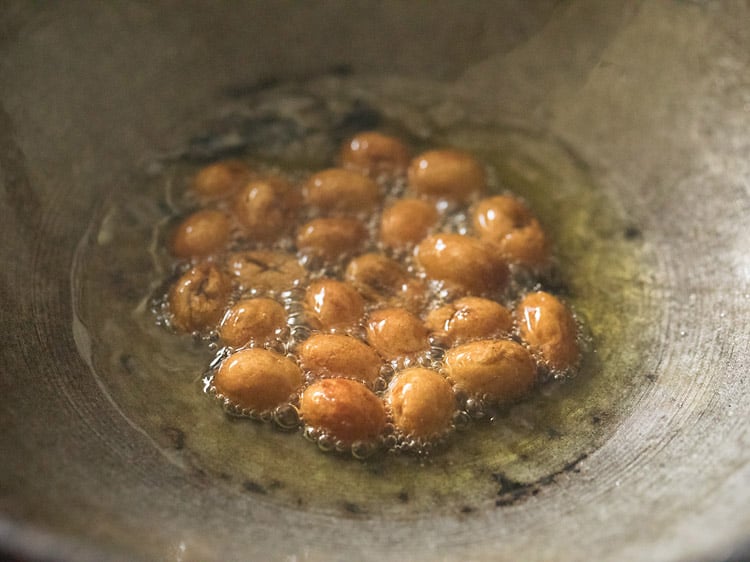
(155, 377)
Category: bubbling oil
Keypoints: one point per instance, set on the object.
(453, 218)
(155, 376)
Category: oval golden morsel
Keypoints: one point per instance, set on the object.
(335, 355)
(499, 370)
(257, 379)
(508, 222)
(451, 174)
(201, 234)
(396, 332)
(265, 271)
(407, 222)
(331, 304)
(466, 265)
(221, 178)
(331, 239)
(198, 298)
(497, 216)
(550, 329)
(372, 153)
(386, 282)
(258, 320)
(470, 318)
(266, 208)
(344, 409)
(336, 190)
(422, 403)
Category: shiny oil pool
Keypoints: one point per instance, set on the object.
(154, 377)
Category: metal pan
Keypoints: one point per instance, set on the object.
(646, 103)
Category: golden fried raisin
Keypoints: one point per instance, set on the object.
(201, 234)
(344, 409)
(198, 298)
(466, 265)
(258, 320)
(331, 304)
(507, 222)
(335, 355)
(396, 332)
(257, 379)
(266, 208)
(336, 190)
(373, 153)
(265, 271)
(386, 282)
(549, 328)
(470, 318)
(498, 370)
(331, 239)
(421, 402)
(407, 222)
(221, 178)
(449, 173)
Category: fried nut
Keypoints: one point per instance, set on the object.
(499, 370)
(470, 318)
(466, 265)
(335, 355)
(422, 402)
(449, 173)
(257, 320)
(407, 222)
(257, 379)
(344, 409)
(201, 234)
(549, 328)
(331, 304)
(373, 153)
(198, 298)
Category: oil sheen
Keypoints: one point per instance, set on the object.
(156, 378)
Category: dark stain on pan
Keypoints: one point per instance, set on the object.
(512, 492)
(254, 487)
(632, 232)
(176, 437)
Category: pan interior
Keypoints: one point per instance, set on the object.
(153, 377)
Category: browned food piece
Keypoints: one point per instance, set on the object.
(201, 234)
(499, 370)
(527, 246)
(372, 153)
(334, 355)
(396, 332)
(266, 208)
(331, 304)
(466, 265)
(331, 239)
(198, 298)
(265, 271)
(336, 190)
(344, 409)
(221, 178)
(470, 318)
(385, 281)
(452, 174)
(509, 223)
(257, 379)
(257, 320)
(407, 222)
(549, 328)
(421, 402)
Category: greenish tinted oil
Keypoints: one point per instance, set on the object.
(154, 376)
